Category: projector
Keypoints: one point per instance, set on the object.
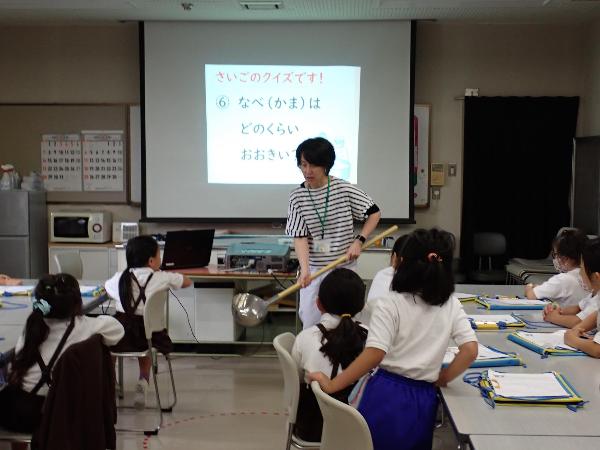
(260, 257)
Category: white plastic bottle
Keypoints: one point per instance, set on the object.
(7, 180)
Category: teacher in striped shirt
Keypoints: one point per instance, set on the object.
(321, 215)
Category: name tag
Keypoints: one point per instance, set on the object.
(321, 245)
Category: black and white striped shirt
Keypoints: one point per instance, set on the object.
(346, 204)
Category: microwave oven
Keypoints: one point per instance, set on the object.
(93, 227)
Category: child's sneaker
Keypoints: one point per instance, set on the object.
(139, 401)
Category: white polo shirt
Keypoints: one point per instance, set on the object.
(108, 327)
(380, 287)
(565, 288)
(415, 335)
(588, 305)
(306, 350)
(160, 281)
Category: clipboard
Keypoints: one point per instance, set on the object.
(485, 382)
(27, 291)
(502, 360)
(511, 303)
(494, 322)
(534, 322)
(91, 291)
(20, 291)
(524, 339)
(465, 298)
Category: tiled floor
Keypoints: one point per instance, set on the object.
(230, 403)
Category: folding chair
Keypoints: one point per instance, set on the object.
(154, 320)
(17, 438)
(283, 344)
(343, 426)
(485, 246)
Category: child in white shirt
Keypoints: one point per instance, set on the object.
(567, 288)
(408, 337)
(569, 316)
(380, 286)
(130, 288)
(55, 324)
(590, 271)
(330, 346)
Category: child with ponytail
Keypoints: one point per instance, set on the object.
(330, 346)
(130, 288)
(55, 324)
(409, 332)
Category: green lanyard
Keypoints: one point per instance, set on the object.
(324, 218)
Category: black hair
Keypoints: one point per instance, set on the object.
(569, 243)
(318, 152)
(138, 252)
(398, 245)
(426, 266)
(62, 293)
(591, 256)
(342, 292)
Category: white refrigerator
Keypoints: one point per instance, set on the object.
(23, 234)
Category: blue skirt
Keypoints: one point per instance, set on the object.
(400, 411)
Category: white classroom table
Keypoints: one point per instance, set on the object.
(479, 442)
(471, 415)
(16, 309)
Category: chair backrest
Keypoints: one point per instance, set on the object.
(489, 244)
(155, 316)
(343, 426)
(283, 344)
(69, 262)
(80, 408)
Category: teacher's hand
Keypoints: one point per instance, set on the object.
(304, 278)
(354, 250)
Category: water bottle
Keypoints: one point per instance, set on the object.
(7, 180)
(17, 180)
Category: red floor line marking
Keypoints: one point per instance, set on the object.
(146, 440)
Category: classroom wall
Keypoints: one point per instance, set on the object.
(100, 64)
(69, 64)
(500, 60)
(591, 107)
(82, 64)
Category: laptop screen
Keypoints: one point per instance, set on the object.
(187, 248)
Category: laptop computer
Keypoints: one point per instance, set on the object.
(187, 248)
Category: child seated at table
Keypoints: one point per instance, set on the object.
(590, 271)
(567, 288)
(138, 282)
(5, 280)
(569, 316)
(330, 346)
(408, 337)
(55, 324)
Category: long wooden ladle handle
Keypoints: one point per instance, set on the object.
(331, 265)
